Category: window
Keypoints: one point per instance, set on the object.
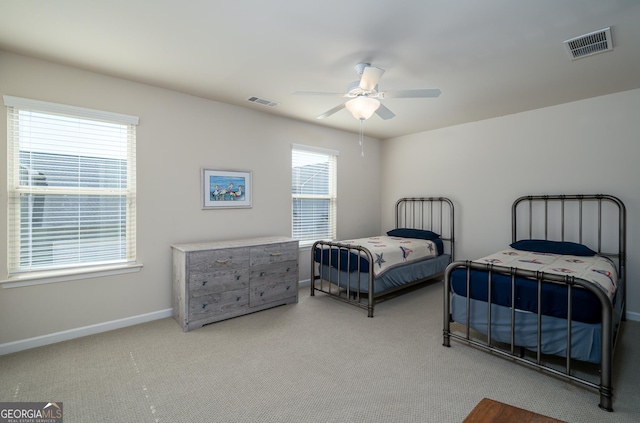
(313, 189)
(71, 187)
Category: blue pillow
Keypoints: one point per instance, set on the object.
(554, 247)
(413, 233)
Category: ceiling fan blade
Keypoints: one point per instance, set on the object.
(332, 111)
(385, 113)
(317, 93)
(426, 93)
(370, 77)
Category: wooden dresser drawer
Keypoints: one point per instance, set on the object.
(203, 283)
(274, 253)
(273, 272)
(275, 290)
(220, 304)
(224, 259)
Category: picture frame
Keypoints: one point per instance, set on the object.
(226, 189)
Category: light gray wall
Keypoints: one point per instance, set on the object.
(588, 147)
(177, 136)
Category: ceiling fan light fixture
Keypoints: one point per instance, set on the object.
(362, 107)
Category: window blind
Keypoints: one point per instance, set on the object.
(71, 186)
(314, 194)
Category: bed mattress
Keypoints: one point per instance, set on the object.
(387, 252)
(554, 296)
(392, 278)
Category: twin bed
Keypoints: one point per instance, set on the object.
(557, 291)
(364, 271)
(553, 299)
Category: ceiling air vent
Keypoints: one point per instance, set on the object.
(263, 102)
(589, 44)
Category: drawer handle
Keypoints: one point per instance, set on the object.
(204, 283)
(222, 261)
(276, 254)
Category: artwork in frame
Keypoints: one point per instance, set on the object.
(225, 189)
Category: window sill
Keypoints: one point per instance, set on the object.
(40, 278)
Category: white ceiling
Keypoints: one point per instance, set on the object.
(490, 58)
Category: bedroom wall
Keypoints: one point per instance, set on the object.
(177, 136)
(589, 146)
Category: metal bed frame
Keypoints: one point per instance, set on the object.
(609, 332)
(430, 213)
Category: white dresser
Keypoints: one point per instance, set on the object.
(215, 281)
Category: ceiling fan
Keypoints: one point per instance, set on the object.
(365, 97)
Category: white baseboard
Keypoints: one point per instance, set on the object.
(305, 282)
(39, 341)
(633, 316)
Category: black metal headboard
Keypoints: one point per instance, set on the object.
(596, 220)
(432, 213)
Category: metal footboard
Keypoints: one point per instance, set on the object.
(605, 386)
(341, 286)
(545, 217)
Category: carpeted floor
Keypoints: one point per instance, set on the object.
(316, 361)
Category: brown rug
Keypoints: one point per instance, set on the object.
(490, 411)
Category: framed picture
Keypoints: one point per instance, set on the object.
(225, 189)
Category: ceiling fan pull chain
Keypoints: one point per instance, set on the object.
(361, 138)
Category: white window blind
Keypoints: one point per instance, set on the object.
(71, 187)
(314, 194)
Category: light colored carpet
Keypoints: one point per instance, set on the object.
(316, 361)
